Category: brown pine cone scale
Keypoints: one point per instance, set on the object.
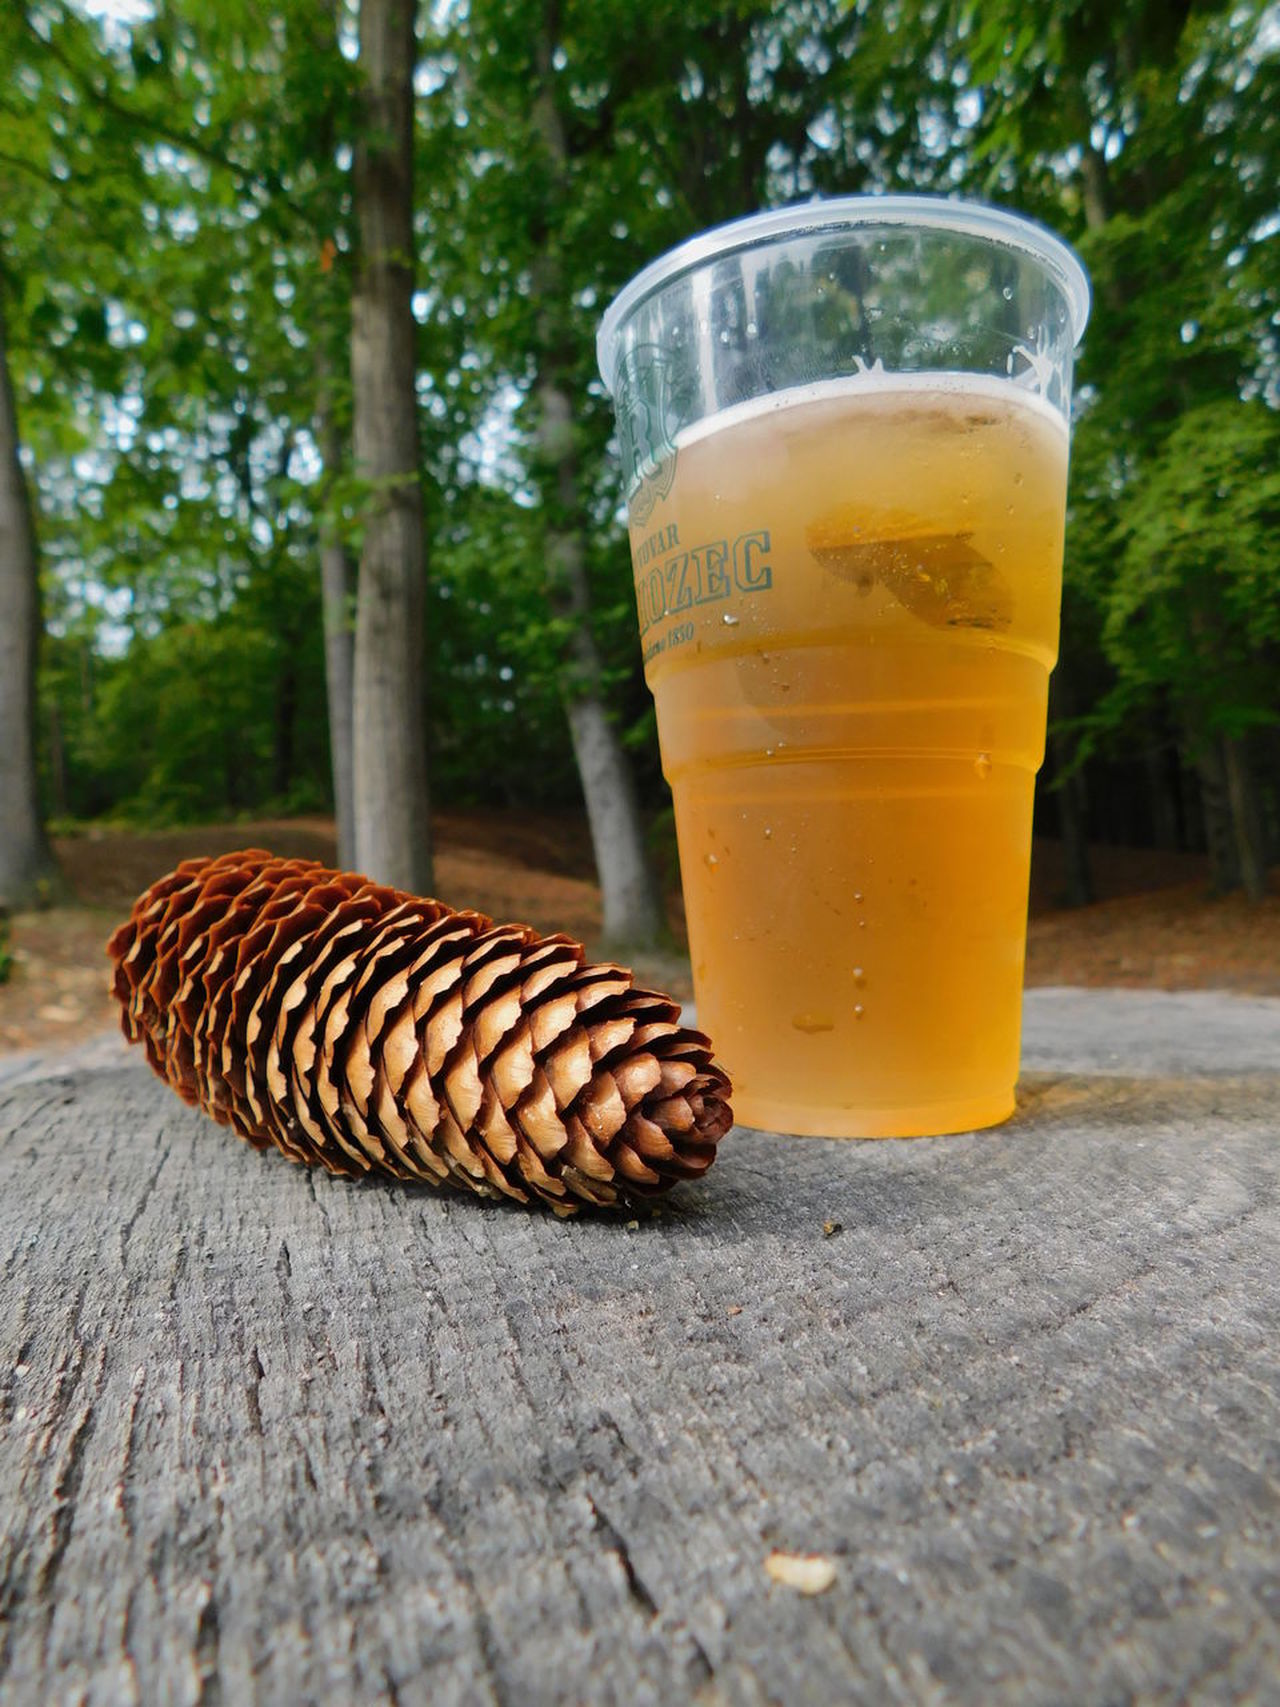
(367, 1031)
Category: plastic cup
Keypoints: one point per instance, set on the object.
(843, 431)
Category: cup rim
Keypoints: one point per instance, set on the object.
(967, 218)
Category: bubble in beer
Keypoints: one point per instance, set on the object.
(859, 976)
(858, 1010)
(812, 1023)
(857, 895)
(710, 861)
(982, 764)
(768, 831)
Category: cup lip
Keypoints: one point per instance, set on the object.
(950, 213)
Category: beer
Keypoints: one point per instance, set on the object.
(848, 596)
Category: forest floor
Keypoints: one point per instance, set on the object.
(1154, 925)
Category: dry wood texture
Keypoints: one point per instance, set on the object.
(269, 1436)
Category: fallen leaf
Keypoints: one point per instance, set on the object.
(939, 577)
(57, 1014)
(807, 1573)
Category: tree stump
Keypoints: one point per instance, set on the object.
(272, 1437)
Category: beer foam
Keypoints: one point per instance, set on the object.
(942, 387)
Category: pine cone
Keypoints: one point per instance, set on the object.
(375, 1032)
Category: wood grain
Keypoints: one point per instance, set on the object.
(269, 1437)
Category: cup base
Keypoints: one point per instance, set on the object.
(920, 1120)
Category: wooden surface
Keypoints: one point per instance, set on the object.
(270, 1437)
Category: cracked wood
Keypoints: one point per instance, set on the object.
(271, 1437)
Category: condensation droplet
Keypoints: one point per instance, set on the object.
(857, 895)
(859, 976)
(729, 620)
(982, 764)
(711, 860)
(1007, 293)
(768, 831)
(812, 1023)
(858, 1010)
(1017, 478)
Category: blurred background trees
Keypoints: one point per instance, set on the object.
(184, 194)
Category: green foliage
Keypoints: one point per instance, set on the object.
(1195, 607)
(497, 726)
(176, 263)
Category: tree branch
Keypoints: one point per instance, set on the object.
(138, 121)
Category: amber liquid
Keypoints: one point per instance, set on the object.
(849, 605)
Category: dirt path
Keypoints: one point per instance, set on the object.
(1154, 928)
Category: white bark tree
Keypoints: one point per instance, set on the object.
(631, 904)
(390, 767)
(337, 584)
(27, 865)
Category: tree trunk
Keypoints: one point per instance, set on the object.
(27, 865)
(1266, 755)
(336, 583)
(1246, 816)
(390, 765)
(629, 892)
(1161, 763)
(1073, 806)
(286, 710)
(1097, 198)
(1219, 832)
(631, 904)
(57, 762)
(1077, 872)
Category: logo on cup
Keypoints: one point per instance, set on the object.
(648, 421)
